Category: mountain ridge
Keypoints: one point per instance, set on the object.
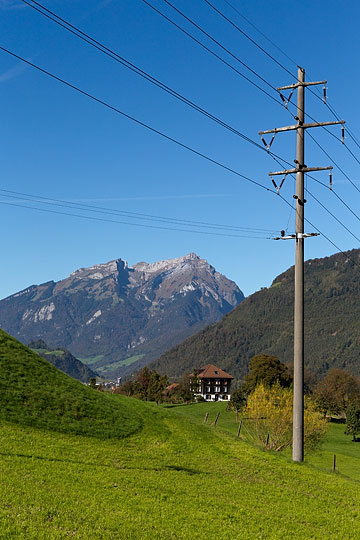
(113, 315)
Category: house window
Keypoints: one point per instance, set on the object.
(217, 388)
(208, 396)
(216, 372)
(225, 389)
(208, 388)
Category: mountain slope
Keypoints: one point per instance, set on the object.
(63, 359)
(110, 315)
(263, 323)
(35, 393)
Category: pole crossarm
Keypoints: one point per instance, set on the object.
(300, 169)
(302, 126)
(296, 85)
(296, 236)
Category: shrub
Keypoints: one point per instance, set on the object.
(269, 418)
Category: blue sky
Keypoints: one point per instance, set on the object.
(59, 144)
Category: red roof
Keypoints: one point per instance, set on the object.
(212, 372)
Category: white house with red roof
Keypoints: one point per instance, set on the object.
(214, 384)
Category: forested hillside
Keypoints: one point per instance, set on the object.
(264, 323)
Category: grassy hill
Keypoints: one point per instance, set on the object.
(176, 479)
(63, 359)
(34, 393)
(263, 323)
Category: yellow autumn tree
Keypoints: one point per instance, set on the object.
(269, 418)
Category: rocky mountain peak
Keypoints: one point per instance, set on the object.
(116, 312)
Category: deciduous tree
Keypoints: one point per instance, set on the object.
(267, 370)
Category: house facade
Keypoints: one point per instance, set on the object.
(213, 383)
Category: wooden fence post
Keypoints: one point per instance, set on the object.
(238, 434)
(206, 417)
(216, 419)
(334, 463)
(237, 416)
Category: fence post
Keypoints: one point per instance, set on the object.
(216, 419)
(334, 463)
(238, 434)
(206, 417)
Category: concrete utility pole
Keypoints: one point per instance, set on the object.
(299, 236)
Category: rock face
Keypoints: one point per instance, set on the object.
(112, 315)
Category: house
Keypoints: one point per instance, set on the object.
(213, 383)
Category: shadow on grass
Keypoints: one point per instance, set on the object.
(176, 468)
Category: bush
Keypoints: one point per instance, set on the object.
(269, 418)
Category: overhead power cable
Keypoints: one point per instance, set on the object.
(94, 218)
(323, 234)
(315, 92)
(325, 207)
(249, 38)
(131, 215)
(129, 65)
(210, 51)
(115, 56)
(220, 45)
(149, 128)
(139, 122)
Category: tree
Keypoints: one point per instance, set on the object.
(184, 390)
(126, 388)
(142, 383)
(353, 418)
(333, 393)
(238, 400)
(92, 382)
(156, 387)
(267, 370)
(269, 418)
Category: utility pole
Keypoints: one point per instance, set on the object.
(299, 236)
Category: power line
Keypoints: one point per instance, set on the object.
(314, 92)
(129, 65)
(323, 234)
(220, 45)
(133, 215)
(325, 207)
(264, 35)
(102, 48)
(210, 51)
(139, 122)
(225, 167)
(131, 224)
(248, 37)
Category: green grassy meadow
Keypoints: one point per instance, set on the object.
(78, 463)
(174, 479)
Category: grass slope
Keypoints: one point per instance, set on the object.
(176, 479)
(34, 393)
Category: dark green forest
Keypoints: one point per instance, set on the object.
(263, 323)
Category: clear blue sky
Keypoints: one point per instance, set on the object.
(59, 144)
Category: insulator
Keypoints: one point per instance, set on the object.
(282, 181)
(330, 180)
(272, 140)
(282, 97)
(324, 90)
(343, 134)
(282, 233)
(273, 181)
(265, 143)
